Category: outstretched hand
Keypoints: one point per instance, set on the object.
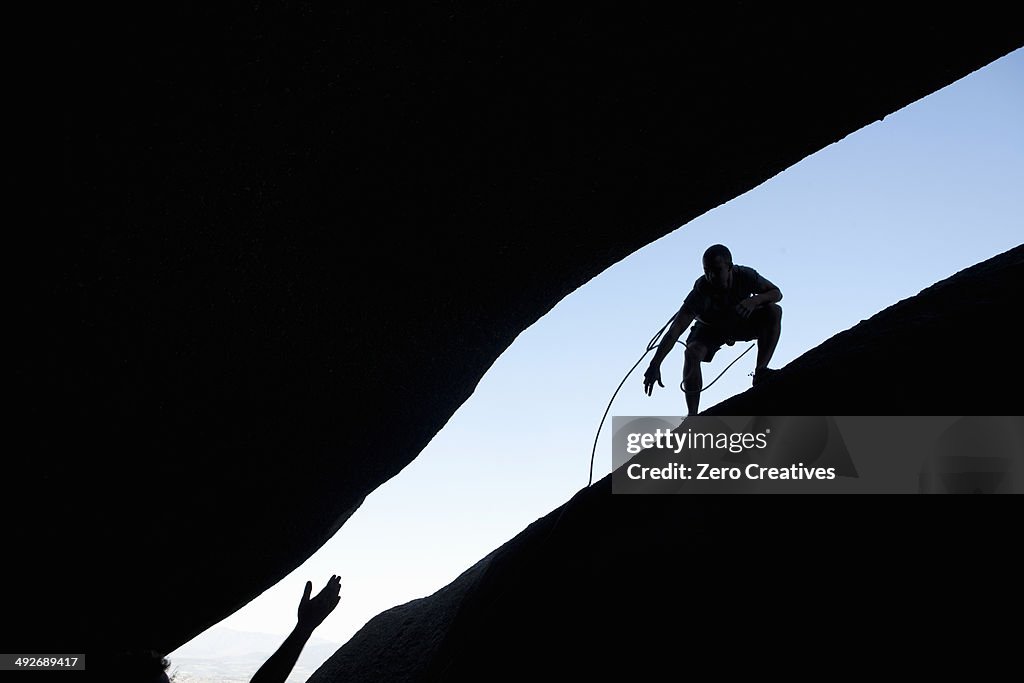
(652, 375)
(313, 611)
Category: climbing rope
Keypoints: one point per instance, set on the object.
(651, 345)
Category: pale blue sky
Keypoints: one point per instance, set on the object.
(875, 218)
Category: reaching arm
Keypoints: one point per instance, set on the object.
(682, 320)
(312, 612)
(679, 324)
(281, 663)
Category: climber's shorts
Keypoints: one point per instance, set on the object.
(713, 336)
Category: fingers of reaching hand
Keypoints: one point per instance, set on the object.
(331, 594)
(649, 379)
(313, 611)
(332, 587)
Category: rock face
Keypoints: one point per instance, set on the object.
(281, 226)
(651, 586)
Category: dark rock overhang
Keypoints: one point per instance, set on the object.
(281, 226)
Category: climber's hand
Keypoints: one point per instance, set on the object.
(652, 375)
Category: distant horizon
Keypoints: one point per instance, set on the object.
(220, 627)
(242, 665)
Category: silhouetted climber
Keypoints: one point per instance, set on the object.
(729, 303)
(151, 667)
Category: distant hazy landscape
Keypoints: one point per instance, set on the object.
(223, 655)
